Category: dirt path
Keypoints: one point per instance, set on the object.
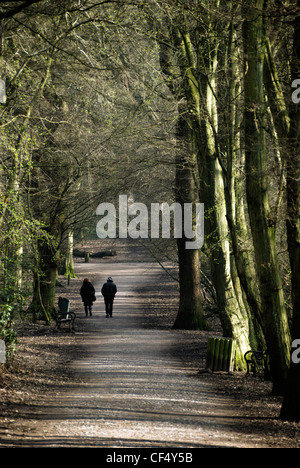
(132, 390)
(135, 392)
(131, 386)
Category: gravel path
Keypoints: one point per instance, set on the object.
(131, 388)
(133, 391)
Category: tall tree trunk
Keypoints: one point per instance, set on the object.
(274, 315)
(291, 403)
(233, 316)
(241, 244)
(231, 307)
(190, 313)
(20, 164)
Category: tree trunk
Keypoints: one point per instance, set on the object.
(291, 403)
(233, 314)
(274, 315)
(69, 262)
(190, 313)
(241, 242)
(45, 276)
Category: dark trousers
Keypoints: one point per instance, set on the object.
(87, 308)
(109, 305)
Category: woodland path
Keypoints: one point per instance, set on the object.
(135, 392)
(132, 389)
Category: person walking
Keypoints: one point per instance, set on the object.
(87, 292)
(108, 291)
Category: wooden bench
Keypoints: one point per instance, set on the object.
(64, 315)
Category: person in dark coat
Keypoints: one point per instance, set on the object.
(109, 290)
(87, 293)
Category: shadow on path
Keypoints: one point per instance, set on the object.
(132, 390)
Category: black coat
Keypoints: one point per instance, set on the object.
(87, 293)
(109, 290)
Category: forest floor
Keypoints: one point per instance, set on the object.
(130, 381)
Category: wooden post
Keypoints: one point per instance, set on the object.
(220, 354)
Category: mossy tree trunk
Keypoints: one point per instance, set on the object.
(233, 312)
(240, 234)
(274, 314)
(69, 261)
(44, 283)
(291, 403)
